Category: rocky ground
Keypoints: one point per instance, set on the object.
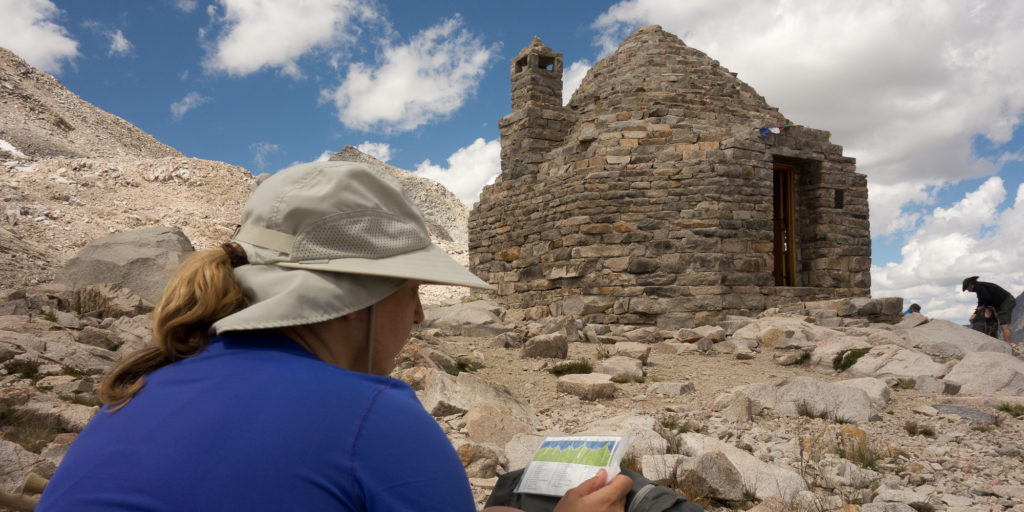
(967, 460)
(715, 412)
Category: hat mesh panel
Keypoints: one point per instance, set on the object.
(361, 235)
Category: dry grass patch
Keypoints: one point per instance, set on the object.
(30, 429)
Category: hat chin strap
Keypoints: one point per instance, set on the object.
(369, 344)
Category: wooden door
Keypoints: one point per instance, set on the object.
(784, 246)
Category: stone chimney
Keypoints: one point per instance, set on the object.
(538, 121)
(536, 76)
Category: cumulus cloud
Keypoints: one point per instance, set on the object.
(413, 84)
(325, 156)
(572, 78)
(189, 102)
(260, 152)
(904, 89)
(970, 237)
(119, 45)
(379, 150)
(29, 29)
(469, 169)
(256, 34)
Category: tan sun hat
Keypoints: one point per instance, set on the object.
(325, 239)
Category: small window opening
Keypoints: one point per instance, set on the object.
(520, 64)
(547, 63)
(839, 199)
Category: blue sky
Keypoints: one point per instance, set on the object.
(929, 99)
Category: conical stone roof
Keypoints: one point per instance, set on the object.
(655, 71)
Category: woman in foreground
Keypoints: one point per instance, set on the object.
(267, 387)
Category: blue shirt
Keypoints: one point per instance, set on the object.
(256, 422)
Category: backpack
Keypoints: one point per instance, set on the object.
(986, 321)
(646, 496)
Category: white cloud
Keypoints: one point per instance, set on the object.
(260, 151)
(29, 29)
(413, 84)
(119, 45)
(189, 102)
(887, 221)
(971, 237)
(185, 6)
(379, 150)
(325, 156)
(572, 78)
(257, 34)
(905, 89)
(469, 169)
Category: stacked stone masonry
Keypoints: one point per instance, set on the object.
(649, 198)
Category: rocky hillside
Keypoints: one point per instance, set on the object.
(41, 118)
(51, 208)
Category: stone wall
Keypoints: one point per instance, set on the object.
(649, 198)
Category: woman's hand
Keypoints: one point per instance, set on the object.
(593, 496)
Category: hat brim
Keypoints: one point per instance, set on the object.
(431, 265)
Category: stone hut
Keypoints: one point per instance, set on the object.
(667, 192)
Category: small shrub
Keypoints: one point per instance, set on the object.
(603, 353)
(1015, 410)
(673, 426)
(48, 315)
(848, 358)
(568, 367)
(906, 383)
(914, 429)
(24, 369)
(30, 429)
(464, 364)
(982, 428)
(806, 410)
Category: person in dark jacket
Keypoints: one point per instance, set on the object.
(991, 294)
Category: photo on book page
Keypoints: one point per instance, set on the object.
(562, 463)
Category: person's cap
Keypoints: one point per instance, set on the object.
(969, 280)
(325, 239)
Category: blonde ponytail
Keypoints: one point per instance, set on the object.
(202, 292)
